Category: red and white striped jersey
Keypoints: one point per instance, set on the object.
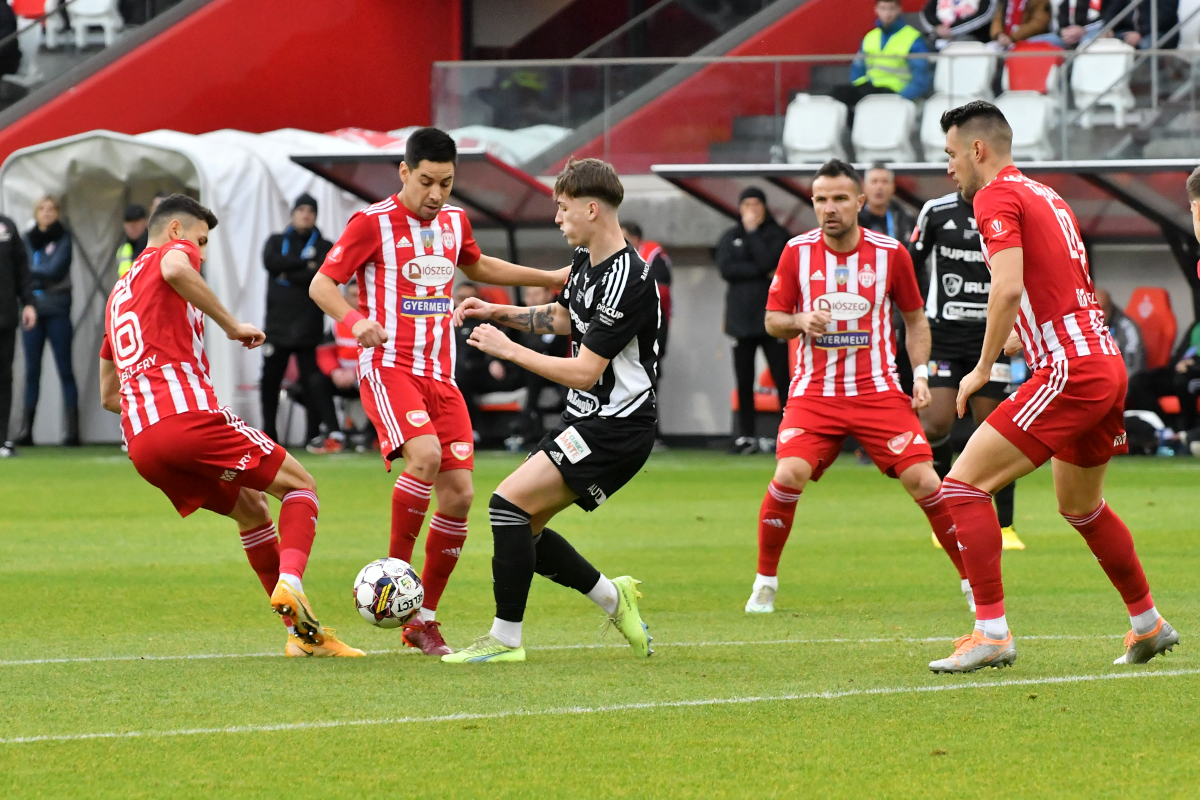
(1059, 316)
(857, 353)
(156, 340)
(405, 267)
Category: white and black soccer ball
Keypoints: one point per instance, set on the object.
(388, 592)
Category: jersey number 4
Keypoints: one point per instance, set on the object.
(1074, 241)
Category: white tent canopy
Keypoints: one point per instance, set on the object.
(249, 182)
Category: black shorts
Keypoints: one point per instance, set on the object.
(598, 456)
(946, 374)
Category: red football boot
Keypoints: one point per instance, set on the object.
(426, 637)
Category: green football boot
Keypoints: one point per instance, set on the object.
(628, 620)
(487, 649)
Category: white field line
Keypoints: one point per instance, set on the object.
(602, 645)
(570, 710)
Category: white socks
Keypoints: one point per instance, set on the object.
(993, 628)
(509, 633)
(1144, 623)
(604, 594)
(428, 614)
(766, 580)
(293, 581)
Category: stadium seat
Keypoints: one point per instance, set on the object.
(1031, 73)
(1029, 115)
(883, 126)
(1150, 308)
(813, 127)
(497, 402)
(968, 70)
(933, 141)
(1101, 75)
(95, 13)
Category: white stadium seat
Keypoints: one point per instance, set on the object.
(933, 141)
(1101, 74)
(95, 13)
(883, 126)
(813, 127)
(965, 68)
(1029, 115)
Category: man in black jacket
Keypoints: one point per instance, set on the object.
(747, 256)
(295, 325)
(16, 304)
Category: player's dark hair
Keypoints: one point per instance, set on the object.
(180, 205)
(836, 168)
(429, 144)
(982, 119)
(590, 177)
(1193, 185)
(633, 228)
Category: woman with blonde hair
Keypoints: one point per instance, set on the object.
(49, 245)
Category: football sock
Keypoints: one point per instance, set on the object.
(297, 529)
(978, 530)
(410, 501)
(509, 633)
(561, 563)
(766, 580)
(943, 455)
(262, 551)
(443, 546)
(293, 581)
(1004, 504)
(604, 594)
(994, 628)
(513, 560)
(775, 518)
(428, 614)
(938, 512)
(1145, 622)
(1112, 545)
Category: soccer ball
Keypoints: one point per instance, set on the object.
(388, 593)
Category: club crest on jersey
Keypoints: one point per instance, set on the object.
(589, 295)
(448, 241)
(787, 434)
(417, 418)
(843, 306)
(952, 284)
(842, 275)
(429, 270)
(461, 450)
(427, 239)
(866, 277)
(897, 443)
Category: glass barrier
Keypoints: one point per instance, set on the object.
(1110, 101)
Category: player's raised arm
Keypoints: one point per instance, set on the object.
(580, 372)
(498, 272)
(1008, 284)
(550, 318)
(178, 272)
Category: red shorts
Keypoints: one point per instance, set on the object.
(884, 423)
(403, 405)
(202, 459)
(1073, 410)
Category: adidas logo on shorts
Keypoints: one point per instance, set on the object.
(557, 456)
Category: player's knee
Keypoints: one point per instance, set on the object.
(920, 480)
(792, 472)
(456, 502)
(423, 457)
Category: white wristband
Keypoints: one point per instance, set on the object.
(921, 371)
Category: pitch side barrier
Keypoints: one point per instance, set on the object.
(1135, 201)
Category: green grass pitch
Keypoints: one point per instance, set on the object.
(143, 648)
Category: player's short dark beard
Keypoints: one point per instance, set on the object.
(970, 184)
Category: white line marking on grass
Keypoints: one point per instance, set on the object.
(551, 712)
(599, 646)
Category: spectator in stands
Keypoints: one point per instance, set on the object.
(136, 222)
(10, 53)
(1022, 21)
(1080, 21)
(958, 20)
(1137, 30)
(660, 269)
(881, 213)
(295, 325)
(882, 66)
(48, 244)
(159, 196)
(1181, 378)
(747, 256)
(16, 305)
(1126, 332)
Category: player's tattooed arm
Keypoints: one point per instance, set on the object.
(539, 319)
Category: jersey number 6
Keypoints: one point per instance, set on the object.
(126, 330)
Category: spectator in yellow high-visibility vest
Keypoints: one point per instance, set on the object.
(136, 221)
(882, 65)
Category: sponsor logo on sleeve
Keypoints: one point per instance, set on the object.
(843, 306)
(787, 434)
(428, 270)
(866, 277)
(424, 306)
(897, 443)
(461, 450)
(998, 230)
(572, 445)
(335, 254)
(608, 316)
(417, 418)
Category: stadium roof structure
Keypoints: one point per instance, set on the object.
(1127, 201)
(493, 193)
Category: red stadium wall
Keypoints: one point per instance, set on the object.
(678, 126)
(257, 65)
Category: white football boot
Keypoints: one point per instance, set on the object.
(762, 601)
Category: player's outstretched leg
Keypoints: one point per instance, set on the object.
(775, 518)
(1111, 542)
(923, 485)
(297, 528)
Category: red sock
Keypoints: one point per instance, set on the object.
(297, 529)
(410, 501)
(443, 546)
(775, 518)
(1112, 544)
(942, 522)
(977, 529)
(262, 550)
